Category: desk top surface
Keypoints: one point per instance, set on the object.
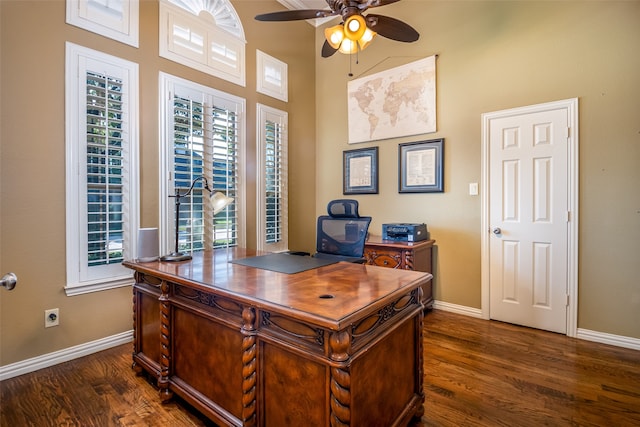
(331, 294)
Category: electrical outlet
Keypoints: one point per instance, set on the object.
(51, 317)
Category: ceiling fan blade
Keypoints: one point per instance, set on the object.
(376, 3)
(328, 50)
(294, 15)
(392, 28)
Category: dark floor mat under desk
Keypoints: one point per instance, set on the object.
(284, 263)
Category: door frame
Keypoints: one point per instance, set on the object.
(571, 106)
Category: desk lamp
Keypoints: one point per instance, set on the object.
(218, 202)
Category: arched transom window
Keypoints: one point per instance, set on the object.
(204, 34)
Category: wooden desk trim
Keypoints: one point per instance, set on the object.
(339, 343)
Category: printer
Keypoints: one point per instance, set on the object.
(404, 232)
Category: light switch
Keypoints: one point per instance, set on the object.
(473, 188)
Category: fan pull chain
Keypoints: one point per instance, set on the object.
(357, 60)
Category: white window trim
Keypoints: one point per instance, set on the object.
(166, 89)
(75, 142)
(264, 85)
(265, 113)
(125, 30)
(232, 36)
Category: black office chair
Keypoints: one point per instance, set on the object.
(342, 233)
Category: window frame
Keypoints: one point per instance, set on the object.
(82, 278)
(169, 84)
(264, 114)
(266, 65)
(205, 25)
(126, 30)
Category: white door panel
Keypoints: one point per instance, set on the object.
(528, 204)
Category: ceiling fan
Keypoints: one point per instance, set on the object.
(356, 30)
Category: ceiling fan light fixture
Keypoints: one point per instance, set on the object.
(348, 46)
(334, 35)
(354, 33)
(366, 38)
(354, 27)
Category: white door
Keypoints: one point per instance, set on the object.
(529, 214)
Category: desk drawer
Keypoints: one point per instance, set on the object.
(383, 257)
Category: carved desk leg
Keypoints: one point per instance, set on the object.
(420, 355)
(136, 339)
(165, 343)
(249, 352)
(339, 344)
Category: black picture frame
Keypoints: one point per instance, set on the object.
(360, 171)
(421, 166)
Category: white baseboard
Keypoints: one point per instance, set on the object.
(64, 355)
(603, 338)
(584, 334)
(459, 309)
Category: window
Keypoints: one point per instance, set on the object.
(116, 19)
(272, 76)
(202, 135)
(206, 35)
(272, 203)
(101, 169)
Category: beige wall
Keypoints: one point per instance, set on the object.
(32, 162)
(493, 56)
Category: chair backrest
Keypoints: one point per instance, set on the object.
(343, 231)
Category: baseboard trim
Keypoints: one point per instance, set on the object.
(604, 338)
(64, 355)
(459, 309)
(583, 334)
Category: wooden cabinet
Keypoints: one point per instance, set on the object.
(404, 256)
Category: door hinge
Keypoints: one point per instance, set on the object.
(568, 216)
(567, 301)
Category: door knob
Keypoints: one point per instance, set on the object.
(9, 281)
(497, 231)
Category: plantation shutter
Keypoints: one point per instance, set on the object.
(272, 186)
(273, 163)
(101, 165)
(225, 173)
(105, 162)
(205, 144)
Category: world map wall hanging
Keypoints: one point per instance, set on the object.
(393, 103)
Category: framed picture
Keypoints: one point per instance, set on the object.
(421, 167)
(360, 171)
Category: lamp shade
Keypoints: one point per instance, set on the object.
(334, 35)
(366, 38)
(348, 46)
(219, 201)
(354, 27)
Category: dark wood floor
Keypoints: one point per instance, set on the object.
(487, 373)
(477, 373)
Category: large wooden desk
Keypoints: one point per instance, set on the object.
(338, 345)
